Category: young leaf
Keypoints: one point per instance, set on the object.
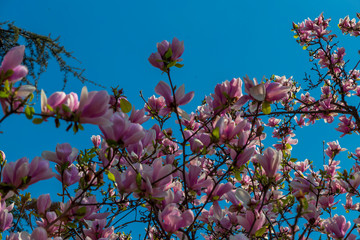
(37, 120)
(28, 113)
(111, 176)
(216, 133)
(168, 53)
(125, 105)
(266, 107)
(138, 180)
(260, 232)
(171, 64)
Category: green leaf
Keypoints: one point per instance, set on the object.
(66, 108)
(237, 175)
(111, 176)
(29, 112)
(37, 120)
(49, 107)
(171, 64)
(216, 133)
(215, 198)
(4, 94)
(266, 107)
(138, 180)
(81, 212)
(178, 65)
(260, 232)
(125, 105)
(80, 127)
(168, 53)
(7, 86)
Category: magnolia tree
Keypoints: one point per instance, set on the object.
(208, 176)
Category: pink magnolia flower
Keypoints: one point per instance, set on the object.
(49, 218)
(17, 100)
(43, 203)
(270, 161)
(21, 173)
(334, 149)
(239, 236)
(39, 233)
(58, 101)
(196, 179)
(252, 221)
(64, 154)
(97, 230)
(18, 236)
(12, 61)
(6, 218)
(269, 92)
(121, 130)
(337, 226)
(156, 106)
(94, 107)
(348, 26)
(69, 176)
(163, 57)
(163, 89)
(138, 116)
(125, 181)
(96, 140)
(227, 92)
(171, 218)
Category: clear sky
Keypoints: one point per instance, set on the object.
(223, 40)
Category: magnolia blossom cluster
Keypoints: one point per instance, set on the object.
(217, 176)
(12, 71)
(348, 26)
(309, 30)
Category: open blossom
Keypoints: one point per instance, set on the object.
(156, 105)
(15, 173)
(348, 26)
(12, 61)
(43, 203)
(121, 130)
(97, 230)
(164, 56)
(92, 108)
(337, 226)
(227, 92)
(309, 30)
(64, 154)
(17, 100)
(252, 221)
(171, 218)
(163, 89)
(270, 161)
(269, 91)
(6, 218)
(334, 149)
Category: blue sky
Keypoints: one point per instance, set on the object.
(223, 39)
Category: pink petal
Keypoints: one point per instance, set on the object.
(13, 58)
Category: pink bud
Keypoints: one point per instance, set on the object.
(12, 61)
(43, 203)
(96, 140)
